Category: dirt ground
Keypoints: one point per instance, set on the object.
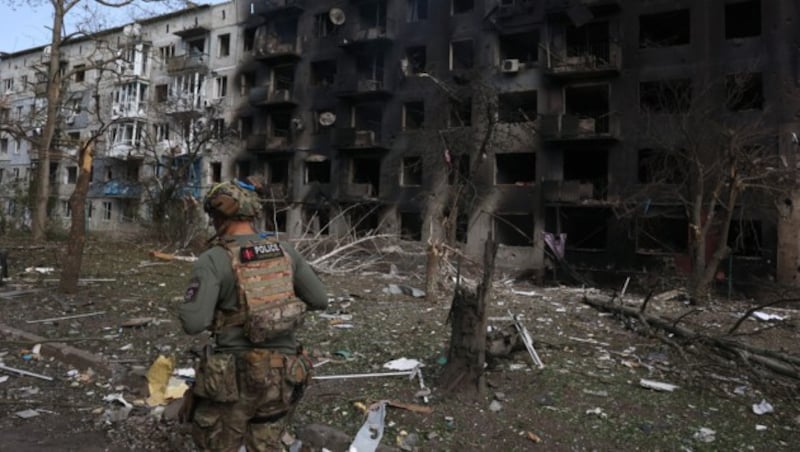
(588, 396)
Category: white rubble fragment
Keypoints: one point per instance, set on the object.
(4, 378)
(705, 435)
(597, 412)
(766, 317)
(531, 293)
(657, 385)
(763, 407)
(402, 364)
(187, 372)
(760, 427)
(26, 414)
(495, 406)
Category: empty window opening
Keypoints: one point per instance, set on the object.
(72, 174)
(243, 169)
(286, 31)
(275, 220)
(323, 25)
(589, 106)
(659, 167)
(416, 60)
(744, 92)
(280, 125)
(413, 115)
(367, 170)
(587, 167)
(411, 175)
(162, 93)
(462, 55)
(671, 28)
(664, 233)
(196, 47)
(369, 67)
(323, 73)
(216, 172)
(523, 47)
(107, 209)
(411, 226)
(278, 171)
(743, 19)
(224, 45)
(368, 117)
(744, 238)
(517, 106)
(665, 96)
(249, 39)
(458, 169)
(460, 113)
(372, 14)
(417, 10)
(462, 6)
(513, 229)
(283, 77)
(363, 219)
(515, 169)
(589, 41)
(80, 73)
(319, 172)
(586, 227)
(316, 221)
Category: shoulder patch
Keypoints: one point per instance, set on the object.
(191, 291)
(260, 252)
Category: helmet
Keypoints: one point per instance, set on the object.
(234, 199)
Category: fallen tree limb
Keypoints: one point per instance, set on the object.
(777, 362)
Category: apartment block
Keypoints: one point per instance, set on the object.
(523, 118)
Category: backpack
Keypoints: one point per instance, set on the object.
(267, 304)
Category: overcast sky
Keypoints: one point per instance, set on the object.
(24, 27)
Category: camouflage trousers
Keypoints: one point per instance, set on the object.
(244, 399)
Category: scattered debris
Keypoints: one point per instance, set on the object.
(657, 385)
(40, 270)
(25, 373)
(172, 257)
(531, 293)
(766, 317)
(26, 414)
(136, 322)
(534, 437)
(369, 436)
(402, 364)
(526, 339)
(705, 435)
(410, 407)
(598, 412)
(407, 441)
(596, 393)
(162, 385)
(760, 427)
(4, 378)
(495, 406)
(67, 317)
(399, 289)
(119, 410)
(763, 407)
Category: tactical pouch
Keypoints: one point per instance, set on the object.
(298, 369)
(216, 378)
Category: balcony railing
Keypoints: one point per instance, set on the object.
(186, 103)
(592, 60)
(275, 51)
(262, 96)
(352, 138)
(350, 85)
(357, 33)
(568, 127)
(128, 109)
(188, 62)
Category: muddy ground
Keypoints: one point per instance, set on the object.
(588, 396)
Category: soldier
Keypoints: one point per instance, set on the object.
(251, 292)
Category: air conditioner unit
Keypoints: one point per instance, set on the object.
(510, 66)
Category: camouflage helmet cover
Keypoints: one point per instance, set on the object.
(234, 199)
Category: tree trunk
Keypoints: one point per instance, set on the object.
(466, 356)
(73, 259)
(432, 271)
(39, 214)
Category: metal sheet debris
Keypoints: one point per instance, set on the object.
(369, 435)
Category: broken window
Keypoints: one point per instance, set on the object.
(513, 229)
(415, 60)
(323, 73)
(224, 45)
(462, 6)
(368, 117)
(280, 125)
(162, 92)
(460, 113)
(196, 47)
(587, 167)
(278, 171)
(216, 172)
(742, 19)
(458, 168)
(515, 169)
(662, 232)
(586, 227)
(744, 91)
(589, 41)
(413, 115)
(665, 96)
(283, 77)
(671, 28)
(323, 25)
(744, 238)
(80, 73)
(587, 109)
(519, 106)
(372, 14)
(246, 81)
(523, 47)
(72, 174)
(249, 39)
(417, 10)
(369, 67)
(461, 55)
(411, 175)
(659, 167)
(319, 172)
(366, 170)
(411, 226)
(286, 31)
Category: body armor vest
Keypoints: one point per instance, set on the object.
(267, 305)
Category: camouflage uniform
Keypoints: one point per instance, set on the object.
(244, 389)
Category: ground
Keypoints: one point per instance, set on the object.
(587, 396)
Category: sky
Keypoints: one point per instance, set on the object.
(23, 26)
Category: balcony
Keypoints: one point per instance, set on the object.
(128, 110)
(361, 87)
(566, 191)
(272, 7)
(276, 52)
(261, 96)
(189, 103)
(352, 138)
(595, 60)
(256, 142)
(356, 35)
(279, 143)
(186, 63)
(568, 127)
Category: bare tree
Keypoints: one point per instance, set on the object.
(710, 153)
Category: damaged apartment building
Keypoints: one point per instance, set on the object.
(370, 114)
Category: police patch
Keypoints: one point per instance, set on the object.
(260, 252)
(191, 291)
